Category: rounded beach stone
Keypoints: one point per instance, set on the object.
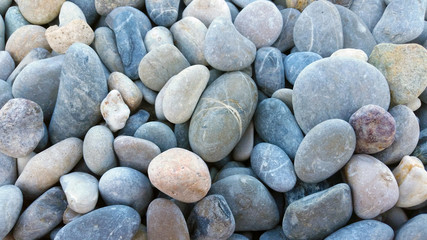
(11, 201)
(413, 229)
(406, 137)
(125, 186)
(69, 12)
(324, 150)
(104, 7)
(232, 98)
(158, 133)
(40, 12)
(260, 22)
(5, 93)
(180, 174)
(127, 88)
(394, 217)
(296, 62)
(412, 180)
(319, 214)
(370, 12)
(414, 104)
(22, 162)
(207, 11)
(230, 171)
(225, 48)
(211, 218)
(21, 124)
(106, 47)
(365, 229)
(244, 147)
(7, 170)
(183, 93)
(181, 134)
(275, 124)
(134, 152)
(98, 150)
(285, 41)
(189, 35)
(159, 65)
(13, 20)
(351, 53)
(313, 103)
(158, 105)
(269, 70)
(163, 13)
(284, 95)
(89, 10)
(42, 216)
(81, 190)
(404, 67)
(34, 55)
(315, 26)
(115, 222)
(373, 185)
(114, 110)
(134, 122)
(24, 39)
(156, 37)
(7, 63)
(166, 221)
(252, 205)
(375, 129)
(273, 167)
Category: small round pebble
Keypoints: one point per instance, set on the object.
(158, 133)
(163, 13)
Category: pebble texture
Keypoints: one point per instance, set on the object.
(134, 122)
(158, 133)
(296, 62)
(130, 93)
(365, 229)
(104, 7)
(11, 201)
(81, 190)
(69, 12)
(269, 70)
(106, 47)
(40, 12)
(156, 37)
(34, 55)
(163, 13)
(14, 20)
(7, 170)
(413, 229)
(114, 110)
(285, 41)
(24, 39)
(5, 93)
(7, 63)
(369, 11)
(207, 11)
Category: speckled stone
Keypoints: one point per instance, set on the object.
(413, 229)
(34, 55)
(40, 12)
(156, 37)
(285, 41)
(244, 147)
(69, 12)
(13, 20)
(162, 13)
(5, 93)
(365, 229)
(7, 63)
(104, 7)
(106, 47)
(134, 122)
(158, 133)
(207, 11)
(81, 190)
(370, 12)
(114, 110)
(8, 170)
(11, 201)
(296, 62)
(269, 70)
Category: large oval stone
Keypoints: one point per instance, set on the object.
(231, 98)
(346, 80)
(365, 229)
(11, 201)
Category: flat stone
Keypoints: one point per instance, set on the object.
(232, 98)
(313, 103)
(284, 95)
(406, 137)
(373, 185)
(7, 63)
(8, 170)
(116, 222)
(225, 48)
(275, 124)
(167, 170)
(5, 93)
(42, 216)
(78, 110)
(11, 201)
(163, 13)
(106, 47)
(211, 218)
(159, 65)
(114, 110)
(39, 82)
(285, 41)
(40, 12)
(126, 186)
(351, 53)
(166, 221)
(413, 229)
(134, 122)
(370, 12)
(319, 214)
(89, 10)
(158, 133)
(324, 150)
(375, 129)
(69, 12)
(34, 55)
(98, 150)
(252, 205)
(13, 20)
(269, 70)
(207, 11)
(244, 147)
(296, 62)
(81, 190)
(261, 22)
(156, 37)
(365, 229)
(189, 35)
(404, 67)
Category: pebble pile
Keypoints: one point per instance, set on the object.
(213, 119)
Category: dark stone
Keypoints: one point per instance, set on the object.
(421, 150)
(303, 189)
(88, 9)
(230, 171)
(158, 133)
(421, 113)
(181, 134)
(134, 122)
(413, 229)
(364, 230)
(296, 62)
(163, 13)
(269, 70)
(273, 234)
(5, 93)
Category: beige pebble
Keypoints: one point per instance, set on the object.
(39, 11)
(414, 105)
(127, 88)
(351, 53)
(114, 111)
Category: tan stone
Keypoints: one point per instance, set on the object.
(351, 53)
(127, 88)
(414, 104)
(114, 111)
(39, 11)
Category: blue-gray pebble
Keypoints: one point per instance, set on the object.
(106, 47)
(286, 37)
(34, 55)
(364, 230)
(158, 133)
(413, 229)
(88, 9)
(421, 150)
(2, 33)
(181, 134)
(269, 70)
(13, 20)
(7, 65)
(4, 5)
(273, 234)
(8, 170)
(5, 92)
(11, 201)
(369, 11)
(296, 62)
(134, 122)
(163, 13)
(303, 189)
(230, 171)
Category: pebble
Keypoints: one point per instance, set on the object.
(40, 12)
(69, 12)
(231, 98)
(156, 37)
(345, 77)
(158, 105)
(39, 82)
(180, 174)
(395, 217)
(7, 63)
(284, 95)
(126, 186)
(225, 48)
(252, 205)
(104, 7)
(324, 150)
(373, 185)
(98, 152)
(132, 96)
(261, 22)
(409, 15)
(269, 70)
(314, 27)
(69, 215)
(5, 93)
(11, 201)
(76, 111)
(163, 13)
(4, 5)
(134, 122)
(158, 133)
(141, 234)
(230, 171)
(34, 55)
(406, 137)
(318, 215)
(285, 41)
(206, 12)
(8, 170)
(211, 218)
(273, 234)
(89, 10)
(22, 162)
(181, 134)
(404, 67)
(106, 47)
(296, 62)
(189, 35)
(273, 167)
(375, 129)
(244, 147)
(114, 110)
(134, 152)
(412, 180)
(351, 53)
(42, 216)
(413, 229)
(237, 236)
(166, 221)
(115, 222)
(275, 124)
(24, 39)
(365, 229)
(14, 20)
(159, 65)
(414, 104)
(370, 12)
(81, 190)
